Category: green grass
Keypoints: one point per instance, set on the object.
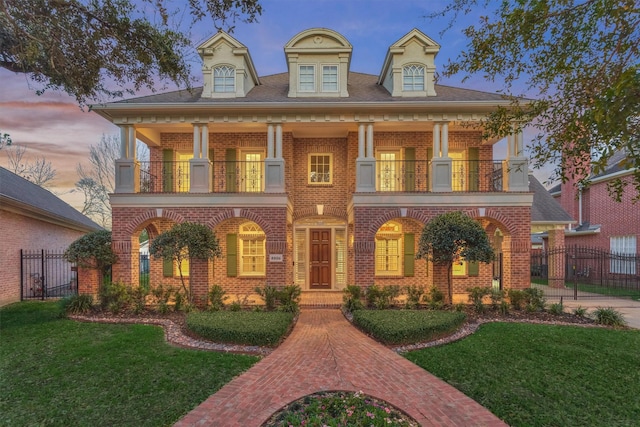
(595, 289)
(396, 327)
(58, 372)
(241, 327)
(537, 375)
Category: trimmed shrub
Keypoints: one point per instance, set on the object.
(382, 298)
(476, 295)
(608, 316)
(217, 298)
(516, 298)
(435, 298)
(77, 304)
(396, 327)
(241, 327)
(162, 294)
(534, 299)
(414, 296)
(114, 297)
(352, 298)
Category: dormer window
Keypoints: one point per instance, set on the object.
(224, 79)
(329, 78)
(413, 78)
(307, 78)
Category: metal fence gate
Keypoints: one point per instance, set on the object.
(46, 274)
(584, 272)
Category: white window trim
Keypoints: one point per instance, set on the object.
(331, 166)
(233, 76)
(413, 88)
(243, 154)
(315, 79)
(245, 236)
(623, 245)
(337, 67)
(390, 235)
(379, 163)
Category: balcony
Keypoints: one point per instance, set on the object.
(226, 177)
(412, 176)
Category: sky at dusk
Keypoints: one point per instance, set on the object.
(54, 126)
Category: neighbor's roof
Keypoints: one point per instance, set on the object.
(545, 208)
(32, 200)
(361, 87)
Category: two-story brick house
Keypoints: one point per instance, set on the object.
(319, 176)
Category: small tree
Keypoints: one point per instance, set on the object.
(93, 250)
(183, 241)
(451, 237)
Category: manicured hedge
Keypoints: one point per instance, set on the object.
(397, 327)
(241, 327)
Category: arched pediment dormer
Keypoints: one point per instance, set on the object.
(318, 60)
(222, 52)
(409, 66)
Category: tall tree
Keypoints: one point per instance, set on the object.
(97, 179)
(93, 48)
(579, 59)
(452, 237)
(38, 170)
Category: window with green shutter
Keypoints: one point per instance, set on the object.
(409, 254)
(232, 255)
(473, 268)
(167, 268)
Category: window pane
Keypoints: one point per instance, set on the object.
(413, 78)
(307, 78)
(330, 78)
(320, 168)
(224, 79)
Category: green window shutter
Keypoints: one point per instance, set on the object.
(167, 268)
(232, 255)
(213, 168)
(473, 268)
(429, 153)
(409, 254)
(211, 154)
(474, 169)
(429, 157)
(167, 170)
(230, 167)
(410, 169)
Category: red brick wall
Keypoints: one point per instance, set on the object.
(22, 232)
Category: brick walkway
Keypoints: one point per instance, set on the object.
(325, 352)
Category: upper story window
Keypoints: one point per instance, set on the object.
(320, 168)
(329, 78)
(413, 78)
(224, 79)
(307, 78)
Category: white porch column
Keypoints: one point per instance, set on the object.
(279, 141)
(366, 162)
(361, 141)
(199, 168)
(516, 167)
(369, 154)
(270, 153)
(274, 166)
(436, 140)
(196, 141)
(440, 173)
(127, 167)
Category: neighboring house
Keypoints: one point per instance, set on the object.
(601, 221)
(319, 176)
(32, 218)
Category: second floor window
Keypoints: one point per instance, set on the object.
(307, 78)
(320, 168)
(224, 79)
(413, 78)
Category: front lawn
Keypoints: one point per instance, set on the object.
(540, 375)
(59, 372)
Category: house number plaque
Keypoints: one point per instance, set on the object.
(276, 257)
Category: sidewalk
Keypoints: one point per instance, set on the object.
(630, 309)
(325, 352)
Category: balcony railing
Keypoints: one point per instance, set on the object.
(402, 175)
(226, 176)
(476, 175)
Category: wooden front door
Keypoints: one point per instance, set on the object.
(320, 259)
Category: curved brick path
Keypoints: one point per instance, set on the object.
(325, 352)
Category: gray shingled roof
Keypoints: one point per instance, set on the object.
(545, 208)
(275, 88)
(18, 189)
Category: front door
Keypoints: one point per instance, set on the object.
(320, 259)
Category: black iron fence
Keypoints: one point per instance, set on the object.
(586, 272)
(46, 274)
